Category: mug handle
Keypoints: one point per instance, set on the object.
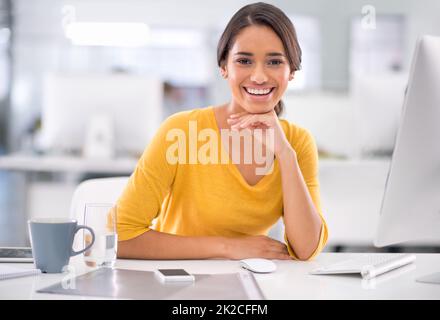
(79, 227)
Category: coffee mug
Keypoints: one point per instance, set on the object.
(52, 241)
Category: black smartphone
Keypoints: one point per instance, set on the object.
(174, 275)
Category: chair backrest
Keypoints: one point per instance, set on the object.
(102, 190)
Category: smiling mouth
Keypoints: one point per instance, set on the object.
(259, 92)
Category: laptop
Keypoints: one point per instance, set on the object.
(16, 254)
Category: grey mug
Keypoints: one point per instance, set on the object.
(52, 241)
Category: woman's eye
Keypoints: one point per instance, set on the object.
(275, 62)
(244, 61)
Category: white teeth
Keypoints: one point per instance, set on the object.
(258, 91)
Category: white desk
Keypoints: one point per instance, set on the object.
(67, 164)
(290, 281)
(34, 194)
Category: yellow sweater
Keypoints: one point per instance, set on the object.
(189, 198)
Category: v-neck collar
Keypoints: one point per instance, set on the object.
(231, 165)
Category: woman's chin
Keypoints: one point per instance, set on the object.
(259, 108)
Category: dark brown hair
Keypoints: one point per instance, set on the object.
(265, 15)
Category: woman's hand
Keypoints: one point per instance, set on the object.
(265, 121)
(256, 247)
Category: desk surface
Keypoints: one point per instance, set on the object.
(291, 281)
(23, 162)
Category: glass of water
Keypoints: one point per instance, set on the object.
(101, 217)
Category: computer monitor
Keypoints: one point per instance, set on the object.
(411, 202)
(131, 103)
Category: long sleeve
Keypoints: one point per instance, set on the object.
(307, 154)
(147, 187)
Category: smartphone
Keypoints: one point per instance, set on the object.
(180, 275)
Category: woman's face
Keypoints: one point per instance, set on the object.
(257, 69)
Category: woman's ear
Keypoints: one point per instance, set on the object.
(224, 72)
(291, 76)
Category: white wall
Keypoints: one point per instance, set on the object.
(329, 116)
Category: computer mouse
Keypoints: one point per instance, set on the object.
(258, 265)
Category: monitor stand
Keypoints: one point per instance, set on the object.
(431, 278)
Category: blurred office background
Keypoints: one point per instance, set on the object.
(85, 83)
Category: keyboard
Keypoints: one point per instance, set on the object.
(368, 266)
(16, 254)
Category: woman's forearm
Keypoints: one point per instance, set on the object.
(158, 245)
(302, 221)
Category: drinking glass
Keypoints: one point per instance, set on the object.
(101, 217)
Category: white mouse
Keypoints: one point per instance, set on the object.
(258, 265)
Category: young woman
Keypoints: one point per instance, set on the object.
(207, 207)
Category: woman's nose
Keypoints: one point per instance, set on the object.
(258, 75)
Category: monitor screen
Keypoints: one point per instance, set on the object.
(411, 202)
(131, 103)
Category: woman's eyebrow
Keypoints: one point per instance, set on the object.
(270, 54)
(275, 54)
(241, 53)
